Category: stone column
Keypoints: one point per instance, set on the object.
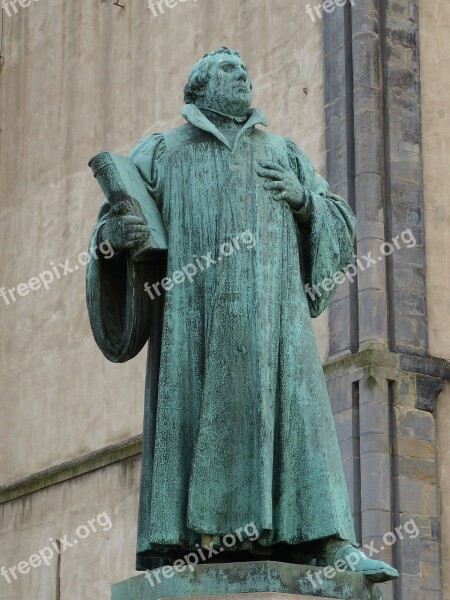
(383, 384)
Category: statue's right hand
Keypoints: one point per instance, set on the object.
(123, 231)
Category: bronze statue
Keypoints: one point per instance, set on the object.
(238, 427)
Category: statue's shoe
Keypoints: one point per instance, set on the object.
(344, 556)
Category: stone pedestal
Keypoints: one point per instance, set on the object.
(259, 580)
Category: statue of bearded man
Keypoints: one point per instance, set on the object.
(238, 430)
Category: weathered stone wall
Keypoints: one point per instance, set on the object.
(435, 83)
(89, 561)
(443, 431)
(383, 383)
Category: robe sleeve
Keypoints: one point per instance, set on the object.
(326, 230)
(120, 311)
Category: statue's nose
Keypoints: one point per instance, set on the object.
(239, 73)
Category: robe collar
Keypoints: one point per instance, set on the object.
(195, 117)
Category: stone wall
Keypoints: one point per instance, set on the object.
(435, 81)
(387, 329)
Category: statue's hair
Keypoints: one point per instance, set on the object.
(201, 74)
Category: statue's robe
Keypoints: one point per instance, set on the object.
(238, 427)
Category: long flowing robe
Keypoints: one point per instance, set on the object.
(238, 427)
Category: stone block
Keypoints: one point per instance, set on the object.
(374, 442)
(415, 424)
(430, 551)
(430, 576)
(414, 448)
(374, 418)
(375, 523)
(418, 498)
(261, 596)
(417, 469)
(256, 580)
(335, 74)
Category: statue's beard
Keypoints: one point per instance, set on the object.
(236, 105)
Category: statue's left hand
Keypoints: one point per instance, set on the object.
(284, 184)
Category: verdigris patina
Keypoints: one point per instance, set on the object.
(238, 428)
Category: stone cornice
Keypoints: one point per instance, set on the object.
(73, 468)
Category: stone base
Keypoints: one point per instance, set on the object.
(258, 596)
(259, 580)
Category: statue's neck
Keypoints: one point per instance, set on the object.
(221, 119)
(228, 125)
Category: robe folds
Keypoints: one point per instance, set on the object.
(238, 427)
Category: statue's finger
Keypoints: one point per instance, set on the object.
(135, 240)
(137, 228)
(132, 243)
(271, 165)
(270, 173)
(119, 209)
(281, 196)
(137, 236)
(130, 219)
(274, 185)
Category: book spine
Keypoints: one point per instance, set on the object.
(108, 177)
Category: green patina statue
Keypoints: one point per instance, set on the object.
(238, 427)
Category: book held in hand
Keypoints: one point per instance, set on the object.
(122, 184)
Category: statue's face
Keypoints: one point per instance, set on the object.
(229, 87)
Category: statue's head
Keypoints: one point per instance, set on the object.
(220, 81)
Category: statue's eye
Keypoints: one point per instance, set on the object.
(227, 68)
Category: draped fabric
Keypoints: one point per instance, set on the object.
(238, 426)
